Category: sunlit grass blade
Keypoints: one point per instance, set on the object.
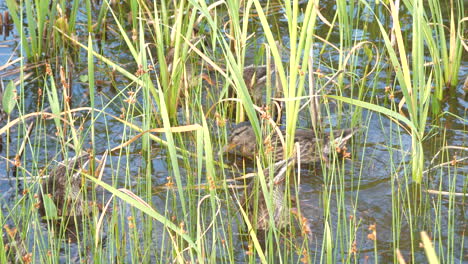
(143, 208)
(429, 249)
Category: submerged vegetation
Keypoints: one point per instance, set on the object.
(140, 100)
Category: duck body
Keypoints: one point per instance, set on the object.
(64, 187)
(256, 75)
(281, 214)
(242, 141)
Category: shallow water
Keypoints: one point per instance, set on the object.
(370, 176)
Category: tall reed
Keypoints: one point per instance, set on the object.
(193, 212)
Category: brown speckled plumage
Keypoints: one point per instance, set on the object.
(281, 214)
(255, 75)
(242, 141)
(64, 186)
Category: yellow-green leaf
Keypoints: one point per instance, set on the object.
(9, 98)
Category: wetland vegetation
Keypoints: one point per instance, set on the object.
(233, 131)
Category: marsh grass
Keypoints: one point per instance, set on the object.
(166, 193)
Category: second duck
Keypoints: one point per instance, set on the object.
(242, 141)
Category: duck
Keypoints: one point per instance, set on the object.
(242, 141)
(281, 214)
(189, 77)
(255, 75)
(63, 187)
(255, 78)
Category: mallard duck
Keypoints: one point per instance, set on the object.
(281, 215)
(64, 186)
(242, 141)
(256, 75)
(192, 79)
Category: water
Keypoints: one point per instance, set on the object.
(374, 172)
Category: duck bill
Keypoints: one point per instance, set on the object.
(207, 78)
(227, 148)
